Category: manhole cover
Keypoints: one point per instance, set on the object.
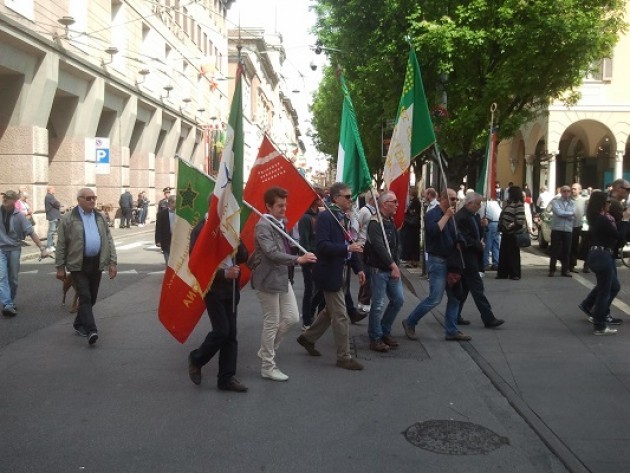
(452, 437)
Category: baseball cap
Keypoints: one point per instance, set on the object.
(11, 195)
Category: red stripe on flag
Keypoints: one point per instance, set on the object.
(180, 306)
(400, 187)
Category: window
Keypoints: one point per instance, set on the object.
(23, 7)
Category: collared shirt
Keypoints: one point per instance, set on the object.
(90, 230)
(563, 213)
(490, 210)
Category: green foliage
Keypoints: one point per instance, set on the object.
(518, 53)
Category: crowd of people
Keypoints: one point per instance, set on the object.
(464, 236)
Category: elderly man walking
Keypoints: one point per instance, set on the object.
(85, 247)
(13, 227)
(382, 260)
(53, 215)
(470, 229)
(563, 208)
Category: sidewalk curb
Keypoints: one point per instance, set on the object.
(555, 444)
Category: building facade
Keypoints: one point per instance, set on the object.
(105, 93)
(587, 143)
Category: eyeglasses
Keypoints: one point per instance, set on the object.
(346, 196)
(89, 197)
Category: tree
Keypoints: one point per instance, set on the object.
(519, 54)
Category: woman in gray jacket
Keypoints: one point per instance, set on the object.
(270, 279)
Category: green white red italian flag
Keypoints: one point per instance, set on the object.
(413, 134)
(187, 279)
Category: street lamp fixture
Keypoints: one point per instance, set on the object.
(143, 74)
(167, 88)
(111, 51)
(66, 21)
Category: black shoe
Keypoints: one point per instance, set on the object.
(92, 337)
(357, 316)
(551, 273)
(232, 385)
(566, 274)
(494, 323)
(461, 321)
(194, 371)
(586, 270)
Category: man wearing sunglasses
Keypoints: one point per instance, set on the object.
(441, 239)
(335, 252)
(85, 247)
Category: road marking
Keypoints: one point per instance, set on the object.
(34, 271)
(128, 271)
(135, 244)
(622, 306)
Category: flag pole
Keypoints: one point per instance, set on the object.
(274, 225)
(490, 162)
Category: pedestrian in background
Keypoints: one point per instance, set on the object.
(13, 227)
(307, 230)
(411, 230)
(492, 238)
(53, 215)
(164, 225)
(511, 220)
(163, 203)
(126, 203)
(365, 215)
(270, 280)
(579, 204)
(563, 213)
(604, 236)
(85, 248)
(142, 205)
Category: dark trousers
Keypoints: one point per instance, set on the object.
(221, 338)
(365, 291)
(308, 307)
(575, 245)
(509, 258)
(87, 282)
(126, 217)
(472, 282)
(602, 295)
(560, 250)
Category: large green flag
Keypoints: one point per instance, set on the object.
(352, 167)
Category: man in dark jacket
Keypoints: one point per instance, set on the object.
(221, 304)
(125, 202)
(333, 249)
(306, 227)
(164, 223)
(382, 259)
(470, 230)
(53, 215)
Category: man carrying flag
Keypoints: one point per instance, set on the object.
(413, 134)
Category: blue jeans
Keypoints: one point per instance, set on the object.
(9, 270)
(381, 317)
(601, 296)
(437, 285)
(52, 230)
(493, 242)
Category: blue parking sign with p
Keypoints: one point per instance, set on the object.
(102, 161)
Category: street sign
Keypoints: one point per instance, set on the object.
(102, 155)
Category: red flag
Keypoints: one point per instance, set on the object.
(271, 168)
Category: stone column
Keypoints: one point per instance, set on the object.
(619, 165)
(529, 170)
(551, 176)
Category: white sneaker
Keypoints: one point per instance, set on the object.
(274, 374)
(605, 331)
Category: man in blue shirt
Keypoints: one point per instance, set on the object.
(441, 239)
(85, 247)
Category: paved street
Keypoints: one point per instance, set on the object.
(540, 394)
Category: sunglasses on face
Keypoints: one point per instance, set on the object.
(346, 196)
(89, 198)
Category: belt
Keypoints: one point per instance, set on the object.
(603, 248)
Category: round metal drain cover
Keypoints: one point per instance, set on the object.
(452, 437)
